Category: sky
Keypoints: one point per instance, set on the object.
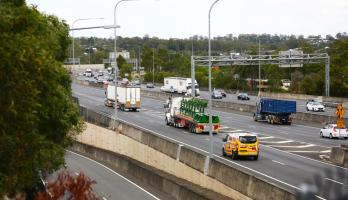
(184, 18)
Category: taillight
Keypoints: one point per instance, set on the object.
(216, 127)
(200, 127)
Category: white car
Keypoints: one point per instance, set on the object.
(315, 106)
(332, 131)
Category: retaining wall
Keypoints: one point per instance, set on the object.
(162, 181)
(177, 159)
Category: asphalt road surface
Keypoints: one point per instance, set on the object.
(301, 104)
(289, 155)
(110, 184)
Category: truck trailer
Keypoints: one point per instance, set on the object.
(128, 97)
(275, 111)
(179, 85)
(189, 113)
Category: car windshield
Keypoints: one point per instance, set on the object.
(247, 139)
(243, 94)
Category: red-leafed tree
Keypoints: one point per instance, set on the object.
(70, 187)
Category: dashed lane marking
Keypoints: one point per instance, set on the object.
(300, 146)
(278, 162)
(326, 151)
(266, 137)
(333, 181)
(278, 142)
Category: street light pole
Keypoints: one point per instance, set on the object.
(193, 79)
(259, 94)
(210, 101)
(153, 66)
(73, 40)
(115, 55)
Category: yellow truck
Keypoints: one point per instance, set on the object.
(241, 144)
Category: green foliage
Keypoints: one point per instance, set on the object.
(38, 118)
(339, 67)
(121, 62)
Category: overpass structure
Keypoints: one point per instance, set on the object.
(281, 60)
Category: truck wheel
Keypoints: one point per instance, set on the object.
(321, 134)
(256, 157)
(223, 152)
(255, 118)
(330, 136)
(234, 155)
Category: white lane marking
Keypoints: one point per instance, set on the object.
(310, 151)
(303, 157)
(333, 181)
(278, 162)
(105, 198)
(278, 142)
(300, 146)
(232, 131)
(266, 137)
(112, 171)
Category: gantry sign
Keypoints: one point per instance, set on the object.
(281, 60)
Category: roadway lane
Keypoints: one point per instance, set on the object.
(276, 166)
(301, 104)
(293, 132)
(110, 185)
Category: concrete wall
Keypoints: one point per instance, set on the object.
(306, 97)
(339, 155)
(176, 159)
(169, 184)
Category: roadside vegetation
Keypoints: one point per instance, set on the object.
(37, 116)
(172, 58)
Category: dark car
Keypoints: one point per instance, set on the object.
(243, 96)
(150, 85)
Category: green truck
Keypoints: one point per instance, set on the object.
(189, 112)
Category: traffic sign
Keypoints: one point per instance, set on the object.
(340, 114)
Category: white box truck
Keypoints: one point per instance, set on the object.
(179, 85)
(128, 97)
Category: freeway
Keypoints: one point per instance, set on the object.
(110, 184)
(301, 104)
(277, 164)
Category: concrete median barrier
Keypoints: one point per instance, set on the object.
(192, 158)
(253, 187)
(339, 155)
(176, 159)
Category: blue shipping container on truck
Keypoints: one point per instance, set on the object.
(275, 106)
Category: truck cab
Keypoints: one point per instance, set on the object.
(241, 144)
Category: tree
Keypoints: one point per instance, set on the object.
(38, 118)
(121, 62)
(69, 187)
